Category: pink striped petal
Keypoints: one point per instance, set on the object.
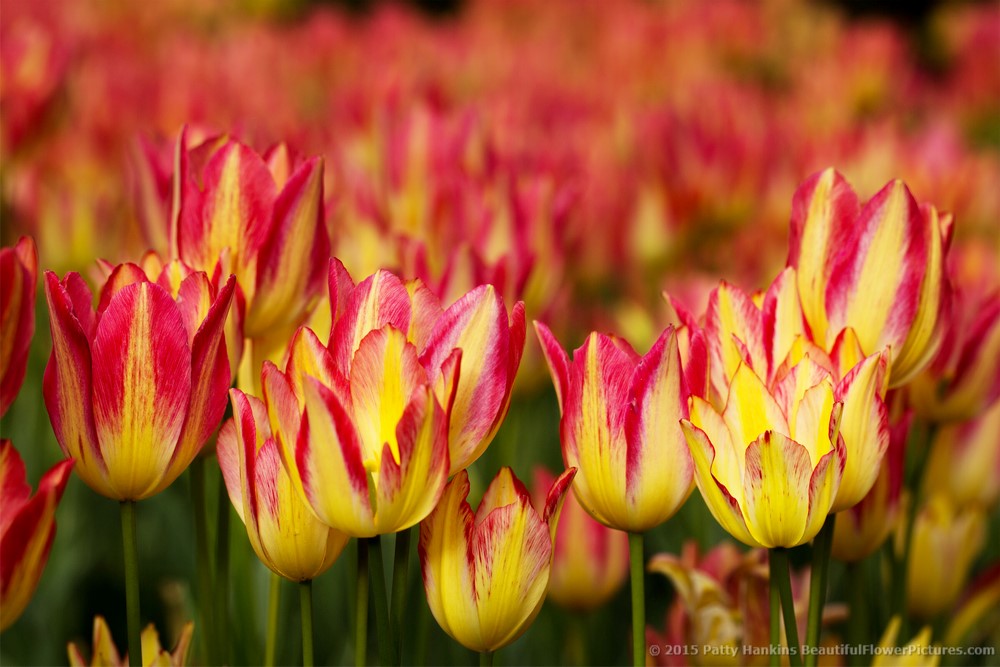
(18, 281)
(379, 300)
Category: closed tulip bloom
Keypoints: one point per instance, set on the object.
(283, 531)
(27, 528)
(589, 561)
(477, 324)
(769, 465)
(369, 450)
(136, 386)
(260, 218)
(104, 653)
(946, 540)
(619, 427)
(486, 573)
(878, 269)
(964, 461)
(18, 281)
(863, 528)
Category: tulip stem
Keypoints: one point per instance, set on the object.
(919, 450)
(638, 599)
(857, 619)
(306, 601)
(361, 608)
(779, 572)
(131, 547)
(386, 645)
(775, 609)
(400, 569)
(273, 605)
(204, 560)
(817, 586)
(222, 573)
(486, 659)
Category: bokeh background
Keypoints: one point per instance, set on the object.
(585, 156)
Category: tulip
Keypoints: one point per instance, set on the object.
(619, 427)
(260, 218)
(769, 471)
(104, 653)
(283, 531)
(486, 574)
(18, 282)
(589, 561)
(863, 528)
(369, 451)
(946, 540)
(878, 269)
(964, 461)
(916, 653)
(135, 387)
(477, 324)
(27, 528)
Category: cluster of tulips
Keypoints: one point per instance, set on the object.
(333, 333)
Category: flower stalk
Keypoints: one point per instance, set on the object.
(131, 549)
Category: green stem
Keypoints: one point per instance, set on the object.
(361, 610)
(857, 619)
(386, 645)
(775, 609)
(920, 451)
(486, 659)
(638, 599)
(222, 573)
(400, 569)
(273, 606)
(779, 571)
(817, 586)
(204, 561)
(130, 543)
(306, 600)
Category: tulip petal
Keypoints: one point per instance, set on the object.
(408, 490)
(782, 319)
(864, 426)
(18, 281)
(750, 408)
(328, 458)
(776, 486)
(68, 383)
(822, 208)
(142, 387)
(426, 312)
(659, 473)
(379, 300)
(557, 360)
(446, 560)
(732, 317)
(721, 503)
(297, 238)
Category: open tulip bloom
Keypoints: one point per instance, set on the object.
(486, 572)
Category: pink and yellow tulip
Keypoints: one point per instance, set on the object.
(769, 465)
(877, 269)
(18, 282)
(27, 528)
(283, 531)
(104, 653)
(486, 573)
(136, 386)
(259, 218)
(964, 461)
(619, 427)
(369, 450)
(589, 560)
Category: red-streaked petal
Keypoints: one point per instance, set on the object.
(18, 281)
(377, 301)
(67, 386)
(121, 277)
(776, 490)
(557, 359)
(328, 458)
(142, 387)
(733, 320)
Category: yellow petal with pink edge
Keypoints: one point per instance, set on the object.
(776, 490)
(724, 506)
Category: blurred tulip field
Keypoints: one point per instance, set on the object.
(577, 332)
